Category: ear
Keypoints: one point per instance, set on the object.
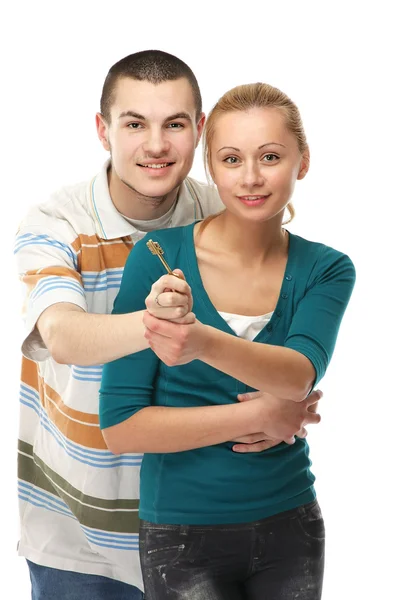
(102, 131)
(305, 164)
(200, 127)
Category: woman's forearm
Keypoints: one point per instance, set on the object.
(168, 429)
(280, 371)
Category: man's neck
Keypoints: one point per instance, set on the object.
(130, 203)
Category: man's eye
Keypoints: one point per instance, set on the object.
(231, 160)
(134, 125)
(270, 157)
(175, 125)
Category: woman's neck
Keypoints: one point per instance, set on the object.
(249, 242)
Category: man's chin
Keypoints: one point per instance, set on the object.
(158, 189)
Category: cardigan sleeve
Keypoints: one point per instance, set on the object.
(127, 383)
(316, 321)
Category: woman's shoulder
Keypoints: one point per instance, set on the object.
(318, 258)
(319, 250)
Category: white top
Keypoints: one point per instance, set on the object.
(244, 326)
(151, 225)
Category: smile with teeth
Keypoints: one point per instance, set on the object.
(156, 165)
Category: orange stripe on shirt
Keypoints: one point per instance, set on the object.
(82, 428)
(95, 254)
(29, 373)
(31, 278)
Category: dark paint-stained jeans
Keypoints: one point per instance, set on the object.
(278, 558)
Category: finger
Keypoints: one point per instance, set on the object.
(173, 314)
(155, 326)
(161, 327)
(257, 447)
(313, 418)
(188, 319)
(290, 441)
(314, 397)
(302, 433)
(170, 300)
(249, 396)
(171, 282)
(179, 273)
(251, 438)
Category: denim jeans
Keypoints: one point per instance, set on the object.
(55, 584)
(278, 558)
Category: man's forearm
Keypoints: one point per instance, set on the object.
(168, 429)
(79, 338)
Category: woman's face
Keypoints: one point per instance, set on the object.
(255, 162)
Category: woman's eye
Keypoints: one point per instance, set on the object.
(231, 160)
(270, 157)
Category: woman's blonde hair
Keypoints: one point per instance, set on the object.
(254, 95)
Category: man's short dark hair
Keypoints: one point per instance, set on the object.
(154, 66)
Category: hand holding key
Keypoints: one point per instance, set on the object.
(170, 297)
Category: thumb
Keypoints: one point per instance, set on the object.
(249, 396)
(179, 273)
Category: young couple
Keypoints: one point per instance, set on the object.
(228, 508)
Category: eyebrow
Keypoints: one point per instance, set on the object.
(179, 115)
(131, 113)
(259, 147)
(135, 115)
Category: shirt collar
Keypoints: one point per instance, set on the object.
(110, 224)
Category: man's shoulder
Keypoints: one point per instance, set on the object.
(67, 205)
(206, 194)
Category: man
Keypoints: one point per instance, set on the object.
(79, 502)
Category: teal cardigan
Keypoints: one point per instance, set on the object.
(215, 485)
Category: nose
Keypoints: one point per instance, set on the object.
(156, 143)
(252, 176)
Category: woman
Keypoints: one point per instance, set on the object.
(216, 524)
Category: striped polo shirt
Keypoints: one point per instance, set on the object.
(78, 501)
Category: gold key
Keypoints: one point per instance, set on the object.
(156, 249)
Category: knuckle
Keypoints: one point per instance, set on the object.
(164, 280)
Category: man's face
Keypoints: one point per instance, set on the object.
(152, 134)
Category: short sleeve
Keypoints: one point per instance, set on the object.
(127, 383)
(47, 265)
(315, 324)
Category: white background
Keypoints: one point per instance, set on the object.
(339, 62)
